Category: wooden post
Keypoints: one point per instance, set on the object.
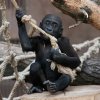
(86, 11)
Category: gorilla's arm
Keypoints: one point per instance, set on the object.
(68, 57)
(24, 39)
(67, 61)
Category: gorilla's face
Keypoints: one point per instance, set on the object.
(52, 25)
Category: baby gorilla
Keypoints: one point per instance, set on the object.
(42, 77)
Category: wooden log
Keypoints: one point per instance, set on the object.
(72, 93)
(87, 11)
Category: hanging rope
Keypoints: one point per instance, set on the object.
(3, 29)
(3, 66)
(2, 4)
(10, 58)
(5, 25)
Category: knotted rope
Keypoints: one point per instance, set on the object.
(3, 30)
(10, 57)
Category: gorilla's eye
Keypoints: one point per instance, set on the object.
(55, 25)
(47, 22)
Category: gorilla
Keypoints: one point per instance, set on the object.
(42, 77)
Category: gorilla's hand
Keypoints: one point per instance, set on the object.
(19, 14)
(46, 38)
(51, 86)
(53, 53)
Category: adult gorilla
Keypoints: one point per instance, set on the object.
(43, 78)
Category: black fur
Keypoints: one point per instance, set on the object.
(60, 1)
(40, 72)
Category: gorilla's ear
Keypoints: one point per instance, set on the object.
(61, 30)
(41, 25)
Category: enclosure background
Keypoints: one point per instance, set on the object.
(38, 9)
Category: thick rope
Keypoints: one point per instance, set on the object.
(64, 70)
(3, 66)
(2, 4)
(94, 48)
(19, 77)
(25, 72)
(4, 29)
(87, 43)
(14, 61)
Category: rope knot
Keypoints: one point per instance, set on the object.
(21, 76)
(64, 70)
(26, 18)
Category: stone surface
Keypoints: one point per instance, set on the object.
(86, 92)
(92, 67)
(90, 73)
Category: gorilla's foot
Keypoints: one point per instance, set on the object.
(34, 89)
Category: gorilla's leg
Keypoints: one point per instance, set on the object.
(59, 85)
(63, 82)
(36, 74)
